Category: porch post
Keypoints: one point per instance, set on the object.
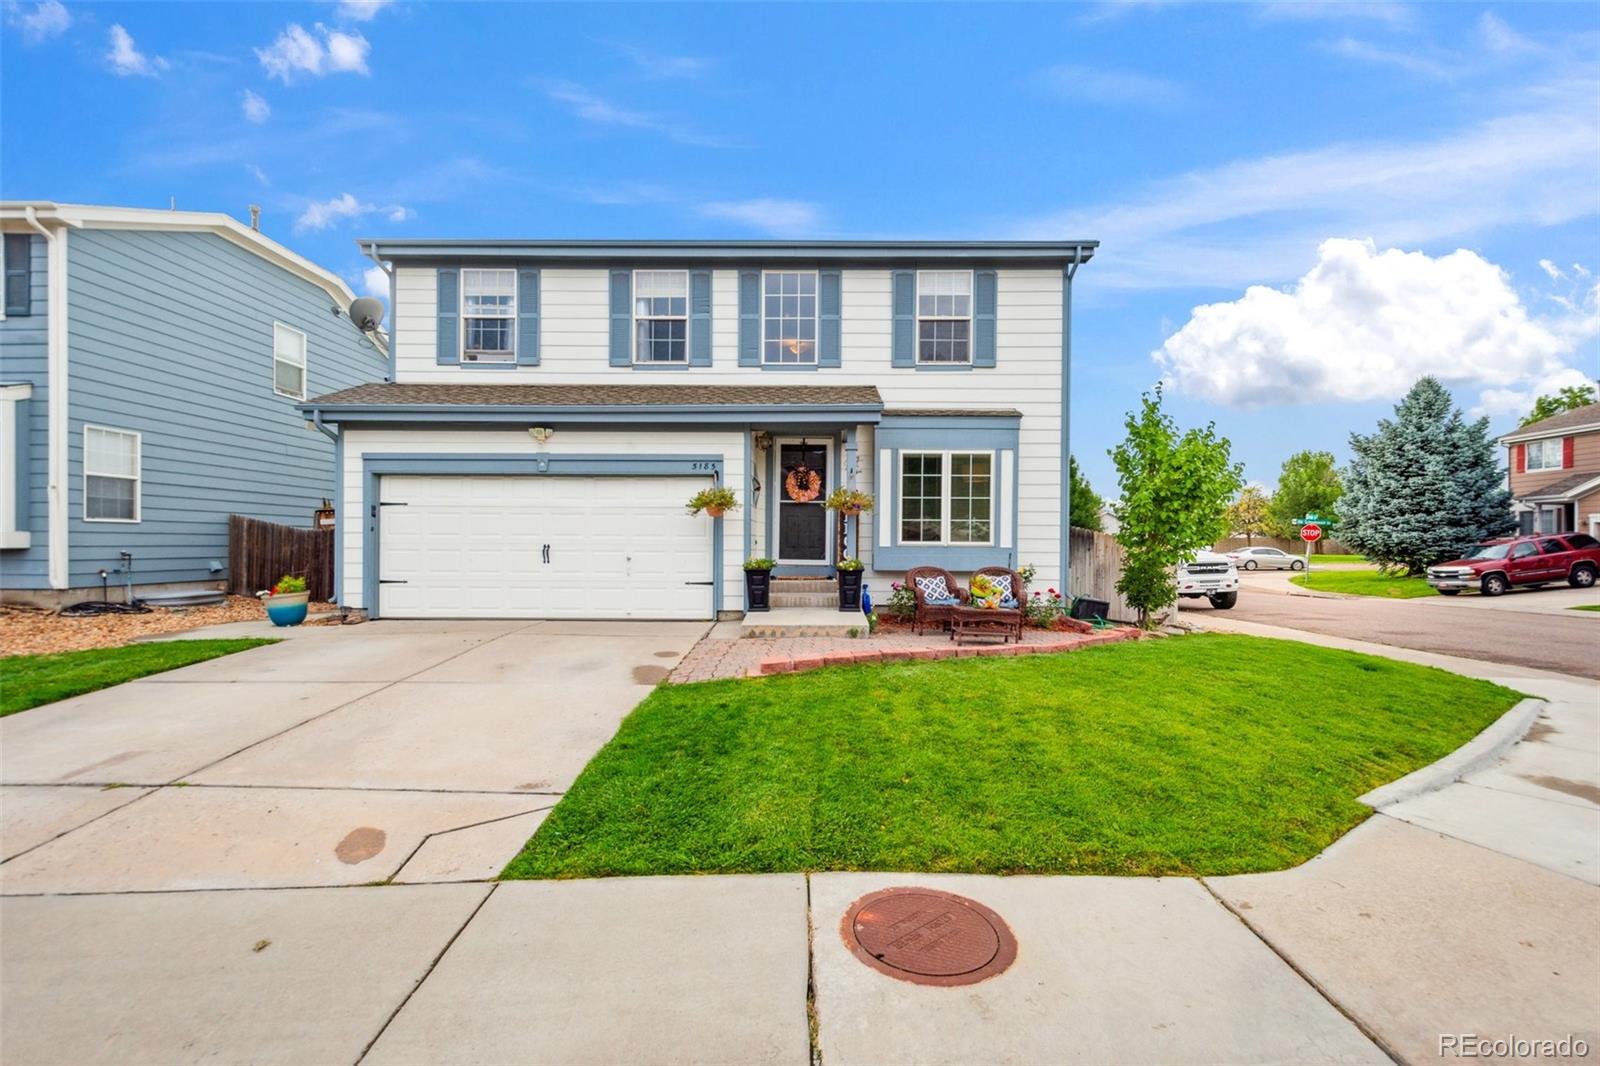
(749, 480)
(849, 481)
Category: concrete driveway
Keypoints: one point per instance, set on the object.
(410, 751)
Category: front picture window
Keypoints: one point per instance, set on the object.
(946, 497)
(921, 499)
(489, 311)
(944, 316)
(661, 316)
(789, 319)
(970, 497)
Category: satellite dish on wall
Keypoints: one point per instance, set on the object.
(366, 313)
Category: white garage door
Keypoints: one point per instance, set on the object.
(542, 547)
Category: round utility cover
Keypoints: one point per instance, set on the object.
(928, 937)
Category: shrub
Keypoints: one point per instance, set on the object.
(1044, 609)
(902, 602)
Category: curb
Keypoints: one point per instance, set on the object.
(1482, 751)
(783, 665)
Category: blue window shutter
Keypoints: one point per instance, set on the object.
(19, 274)
(828, 317)
(984, 299)
(749, 318)
(528, 316)
(449, 351)
(700, 318)
(621, 317)
(903, 351)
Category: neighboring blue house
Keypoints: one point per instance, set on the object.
(150, 364)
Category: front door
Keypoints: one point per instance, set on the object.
(802, 486)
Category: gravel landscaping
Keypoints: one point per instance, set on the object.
(25, 631)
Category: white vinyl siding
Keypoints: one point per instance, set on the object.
(575, 343)
(110, 475)
(288, 361)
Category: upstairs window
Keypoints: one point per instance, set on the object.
(789, 318)
(489, 311)
(1545, 454)
(110, 475)
(288, 361)
(944, 316)
(661, 316)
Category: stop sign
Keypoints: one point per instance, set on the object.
(1310, 531)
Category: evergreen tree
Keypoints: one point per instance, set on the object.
(1086, 503)
(1424, 486)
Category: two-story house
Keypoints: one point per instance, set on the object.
(554, 405)
(150, 367)
(1555, 472)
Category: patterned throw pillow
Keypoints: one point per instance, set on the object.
(1003, 583)
(933, 588)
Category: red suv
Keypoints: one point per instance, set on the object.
(1496, 565)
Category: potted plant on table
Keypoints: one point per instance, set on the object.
(287, 601)
(850, 585)
(715, 501)
(758, 584)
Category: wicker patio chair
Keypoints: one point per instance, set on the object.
(935, 610)
(1012, 604)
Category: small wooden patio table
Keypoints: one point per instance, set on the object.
(1002, 622)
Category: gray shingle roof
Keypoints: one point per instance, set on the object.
(951, 412)
(403, 394)
(1587, 415)
(1564, 487)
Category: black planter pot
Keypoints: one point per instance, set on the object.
(850, 591)
(758, 590)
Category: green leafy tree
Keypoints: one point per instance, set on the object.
(1424, 486)
(1568, 399)
(1086, 503)
(1249, 515)
(1175, 493)
(1308, 484)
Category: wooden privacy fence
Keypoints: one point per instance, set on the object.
(259, 553)
(1096, 564)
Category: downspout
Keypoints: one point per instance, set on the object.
(369, 250)
(56, 408)
(338, 500)
(1067, 274)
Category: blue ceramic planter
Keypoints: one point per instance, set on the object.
(287, 609)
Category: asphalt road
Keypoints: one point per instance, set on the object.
(1545, 641)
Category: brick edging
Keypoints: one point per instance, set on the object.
(800, 664)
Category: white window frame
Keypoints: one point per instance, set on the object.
(474, 356)
(816, 301)
(946, 501)
(278, 329)
(635, 318)
(137, 478)
(1544, 448)
(921, 318)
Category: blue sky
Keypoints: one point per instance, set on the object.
(1351, 195)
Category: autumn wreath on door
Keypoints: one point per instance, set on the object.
(802, 484)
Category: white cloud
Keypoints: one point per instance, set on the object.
(125, 58)
(255, 108)
(257, 173)
(1501, 38)
(1364, 325)
(1397, 16)
(1409, 59)
(297, 52)
(49, 18)
(342, 208)
(361, 10)
(781, 218)
(1259, 218)
(654, 63)
(1550, 268)
(1109, 86)
(592, 108)
(374, 282)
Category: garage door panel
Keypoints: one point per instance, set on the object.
(473, 547)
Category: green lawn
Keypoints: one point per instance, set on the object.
(1315, 559)
(1586, 607)
(1364, 583)
(30, 680)
(1205, 754)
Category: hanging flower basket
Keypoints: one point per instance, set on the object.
(714, 502)
(848, 501)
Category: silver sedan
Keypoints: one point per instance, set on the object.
(1266, 559)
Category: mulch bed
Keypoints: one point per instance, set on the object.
(29, 631)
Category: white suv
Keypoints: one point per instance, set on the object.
(1212, 576)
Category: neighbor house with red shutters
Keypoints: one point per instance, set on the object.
(1555, 472)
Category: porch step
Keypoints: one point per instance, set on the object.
(802, 622)
(805, 599)
(804, 584)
